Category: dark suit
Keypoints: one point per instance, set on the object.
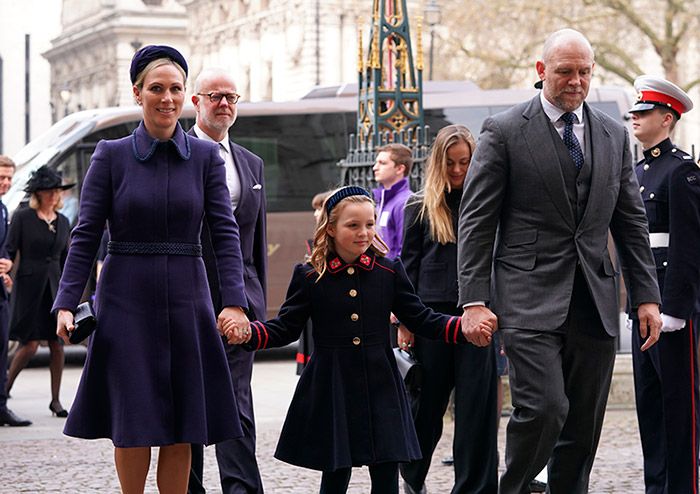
(542, 226)
(4, 310)
(666, 375)
(238, 468)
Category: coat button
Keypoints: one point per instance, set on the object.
(665, 263)
(651, 196)
(646, 167)
(354, 316)
(641, 189)
(356, 341)
(353, 293)
(351, 270)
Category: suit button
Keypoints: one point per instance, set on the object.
(646, 167)
(641, 189)
(351, 270)
(651, 196)
(353, 293)
(356, 341)
(354, 317)
(665, 263)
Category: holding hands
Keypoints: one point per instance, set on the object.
(233, 324)
(478, 324)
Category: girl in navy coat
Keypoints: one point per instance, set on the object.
(350, 407)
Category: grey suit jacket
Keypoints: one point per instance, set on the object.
(519, 241)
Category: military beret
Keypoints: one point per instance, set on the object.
(149, 53)
(655, 92)
(342, 193)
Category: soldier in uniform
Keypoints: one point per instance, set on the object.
(666, 376)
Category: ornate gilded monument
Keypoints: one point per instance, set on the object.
(390, 94)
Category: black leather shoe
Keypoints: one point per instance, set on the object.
(7, 417)
(407, 489)
(537, 486)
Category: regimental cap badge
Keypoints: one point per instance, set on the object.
(640, 95)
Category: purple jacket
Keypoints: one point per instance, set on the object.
(390, 204)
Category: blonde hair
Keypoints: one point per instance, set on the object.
(35, 202)
(324, 243)
(6, 162)
(159, 62)
(434, 206)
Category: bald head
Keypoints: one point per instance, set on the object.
(566, 69)
(214, 118)
(562, 38)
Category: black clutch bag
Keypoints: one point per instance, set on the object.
(85, 323)
(410, 369)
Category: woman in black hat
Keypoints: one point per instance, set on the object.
(39, 234)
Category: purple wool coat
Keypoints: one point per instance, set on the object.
(156, 372)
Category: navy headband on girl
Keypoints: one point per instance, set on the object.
(341, 194)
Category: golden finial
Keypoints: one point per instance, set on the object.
(419, 42)
(360, 64)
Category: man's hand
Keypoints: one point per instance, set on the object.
(5, 265)
(478, 324)
(649, 324)
(64, 324)
(233, 324)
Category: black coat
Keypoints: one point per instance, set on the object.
(350, 406)
(41, 257)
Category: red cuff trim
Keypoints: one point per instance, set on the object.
(257, 329)
(456, 320)
(267, 335)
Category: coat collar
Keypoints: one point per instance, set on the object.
(366, 261)
(654, 152)
(144, 146)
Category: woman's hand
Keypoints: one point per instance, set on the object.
(64, 324)
(234, 325)
(405, 338)
(7, 282)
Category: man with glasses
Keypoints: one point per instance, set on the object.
(215, 101)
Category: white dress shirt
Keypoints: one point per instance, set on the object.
(554, 114)
(233, 181)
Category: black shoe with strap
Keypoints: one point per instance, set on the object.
(7, 417)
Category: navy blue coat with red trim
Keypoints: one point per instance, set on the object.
(350, 406)
(670, 186)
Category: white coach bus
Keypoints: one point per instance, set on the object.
(300, 141)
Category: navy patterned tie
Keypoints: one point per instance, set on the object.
(571, 141)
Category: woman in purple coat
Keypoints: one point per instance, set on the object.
(156, 372)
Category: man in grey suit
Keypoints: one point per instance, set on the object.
(549, 178)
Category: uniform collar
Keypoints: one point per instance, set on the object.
(366, 261)
(144, 145)
(655, 151)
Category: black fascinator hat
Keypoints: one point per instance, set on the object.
(45, 178)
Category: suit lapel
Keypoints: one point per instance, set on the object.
(544, 155)
(600, 167)
(244, 174)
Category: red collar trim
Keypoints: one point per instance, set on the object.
(365, 261)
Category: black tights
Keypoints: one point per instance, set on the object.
(385, 479)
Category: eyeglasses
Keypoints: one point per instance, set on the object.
(231, 98)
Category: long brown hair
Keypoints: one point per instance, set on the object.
(434, 206)
(324, 243)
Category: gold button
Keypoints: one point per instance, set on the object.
(354, 317)
(351, 270)
(356, 341)
(353, 293)
(641, 189)
(646, 167)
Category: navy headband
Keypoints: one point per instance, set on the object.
(149, 53)
(341, 194)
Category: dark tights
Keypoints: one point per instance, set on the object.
(385, 479)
